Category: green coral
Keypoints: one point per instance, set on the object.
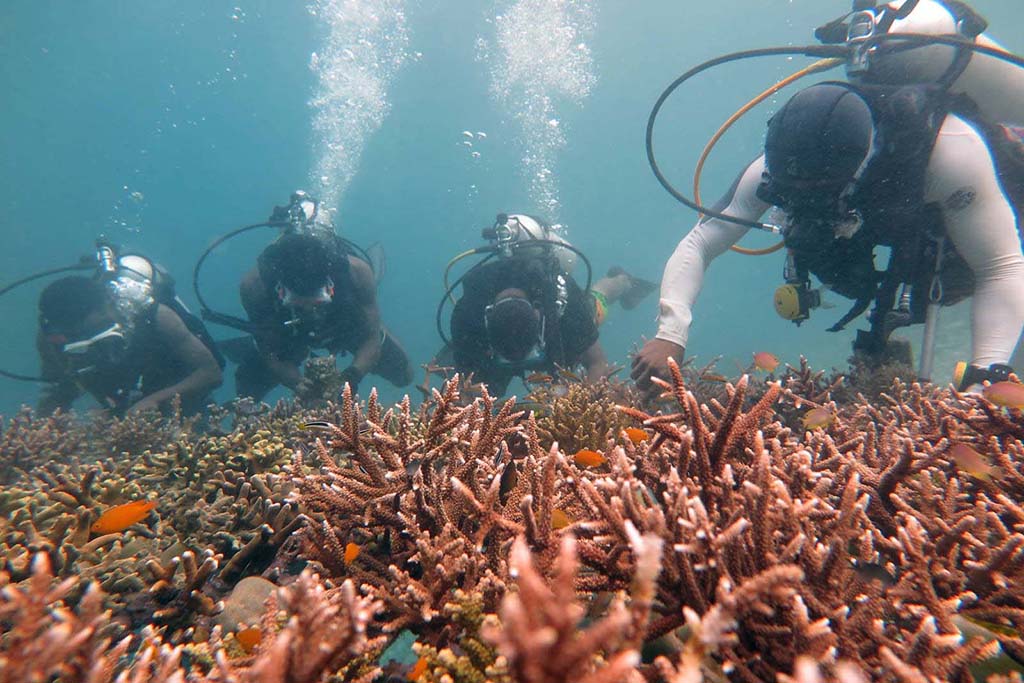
(472, 660)
(582, 415)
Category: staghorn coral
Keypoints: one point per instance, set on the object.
(174, 604)
(325, 380)
(42, 639)
(748, 497)
(28, 440)
(539, 635)
(219, 492)
(863, 546)
(422, 497)
(310, 634)
(470, 659)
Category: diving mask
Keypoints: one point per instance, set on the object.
(108, 345)
(321, 296)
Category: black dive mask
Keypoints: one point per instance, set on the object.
(815, 214)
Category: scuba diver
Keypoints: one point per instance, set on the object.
(918, 167)
(523, 312)
(311, 289)
(123, 336)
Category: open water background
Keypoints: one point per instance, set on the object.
(165, 124)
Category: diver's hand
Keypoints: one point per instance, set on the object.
(144, 405)
(652, 361)
(351, 376)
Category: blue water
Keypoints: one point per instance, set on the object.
(162, 125)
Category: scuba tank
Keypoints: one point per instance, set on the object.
(994, 85)
(513, 233)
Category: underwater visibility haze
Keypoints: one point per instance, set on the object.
(451, 521)
(161, 126)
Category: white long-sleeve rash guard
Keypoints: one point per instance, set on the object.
(960, 178)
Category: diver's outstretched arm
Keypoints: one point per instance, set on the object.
(684, 274)
(979, 220)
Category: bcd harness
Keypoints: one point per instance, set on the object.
(890, 209)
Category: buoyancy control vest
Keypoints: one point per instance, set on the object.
(341, 323)
(889, 200)
(134, 270)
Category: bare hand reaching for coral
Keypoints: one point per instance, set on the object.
(652, 361)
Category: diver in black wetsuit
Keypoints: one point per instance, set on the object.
(526, 314)
(308, 292)
(126, 340)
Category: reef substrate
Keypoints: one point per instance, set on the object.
(718, 535)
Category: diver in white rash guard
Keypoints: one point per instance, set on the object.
(854, 169)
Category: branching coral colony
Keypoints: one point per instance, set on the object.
(709, 542)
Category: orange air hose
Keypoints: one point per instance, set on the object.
(821, 65)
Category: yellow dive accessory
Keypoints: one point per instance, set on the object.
(794, 301)
(959, 370)
(787, 302)
(820, 65)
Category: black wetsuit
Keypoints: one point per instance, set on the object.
(148, 366)
(340, 327)
(566, 337)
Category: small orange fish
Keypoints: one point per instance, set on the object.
(352, 551)
(589, 458)
(636, 435)
(712, 377)
(249, 638)
(971, 461)
(1005, 394)
(765, 361)
(818, 417)
(418, 669)
(120, 517)
(559, 520)
(538, 378)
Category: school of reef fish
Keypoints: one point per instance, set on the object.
(782, 525)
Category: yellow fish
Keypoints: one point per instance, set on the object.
(971, 461)
(1000, 629)
(589, 458)
(324, 426)
(1005, 394)
(636, 435)
(559, 520)
(352, 551)
(317, 426)
(818, 417)
(765, 361)
(249, 638)
(120, 517)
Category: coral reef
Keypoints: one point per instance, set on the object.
(309, 633)
(578, 415)
(729, 538)
(325, 381)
